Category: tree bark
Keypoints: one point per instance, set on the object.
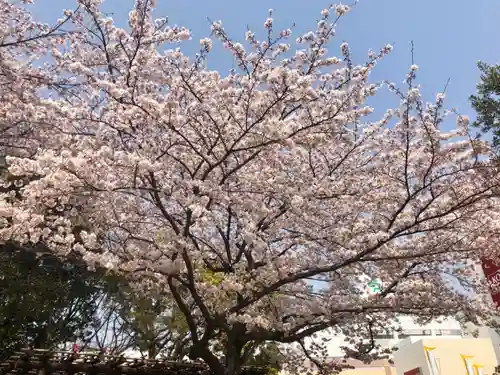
(152, 351)
(215, 365)
(233, 363)
(233, 360)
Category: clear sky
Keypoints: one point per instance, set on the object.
(449, 35)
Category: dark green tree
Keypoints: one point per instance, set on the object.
(267, 355)
(157, 326)
(45, 302)
(486, 102)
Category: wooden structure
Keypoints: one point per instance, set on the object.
(42, 362)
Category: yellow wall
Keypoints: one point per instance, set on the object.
(370, 371)
(448, 354)
(380, 367)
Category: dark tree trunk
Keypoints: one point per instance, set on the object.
(230, 365)
(152, 351)
(41, 340)
(234, 352)
(233, 363)
(209, 358)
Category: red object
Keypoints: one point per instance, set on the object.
(492, 274)
(415, 371)
(75, 348)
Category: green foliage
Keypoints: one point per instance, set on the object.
(213, 278)
(266, 355)
(44, 301)
(486, 102)
(47, 302)
(154, 321)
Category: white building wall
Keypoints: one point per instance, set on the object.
(446, 328)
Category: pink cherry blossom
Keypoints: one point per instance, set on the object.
(261, 200)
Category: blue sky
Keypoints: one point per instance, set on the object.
(449, 35)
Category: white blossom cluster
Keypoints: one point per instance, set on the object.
(235, 194)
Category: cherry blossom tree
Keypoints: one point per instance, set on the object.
(22, 42)
(261, 201)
